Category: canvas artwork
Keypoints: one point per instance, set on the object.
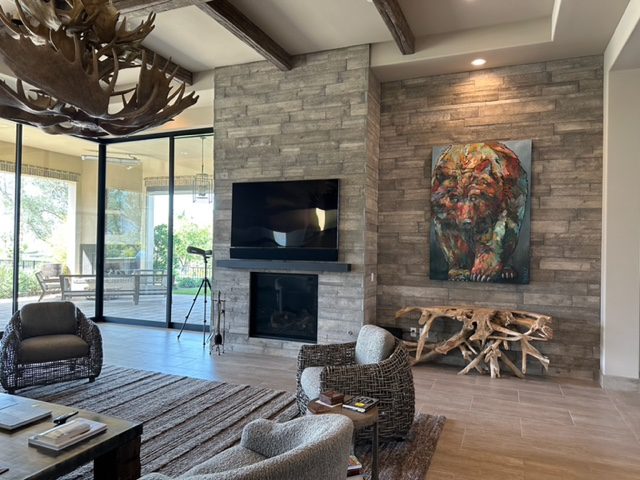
(480, 212)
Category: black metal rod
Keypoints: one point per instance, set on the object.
(194, 132)
(100, 230)
(16, 219)
(172, 186)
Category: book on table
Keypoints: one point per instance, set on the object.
(331, 398)
(16, 413)
(360, 403)
(70, 433)
(355, 467)
(317, 407)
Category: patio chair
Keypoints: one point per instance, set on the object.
(49, 342)
(377, 365)
(48, 285)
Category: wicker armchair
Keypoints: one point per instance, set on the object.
(49, 342)
(389, 380)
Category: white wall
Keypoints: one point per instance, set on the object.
(621, 226)
(620, 308)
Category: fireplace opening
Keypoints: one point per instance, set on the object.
(284, 306)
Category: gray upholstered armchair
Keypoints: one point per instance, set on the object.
(49, 342)
(376, 365)
(307, 448)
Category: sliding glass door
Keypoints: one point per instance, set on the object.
(135, 263)
(157, 201)
(58, 194)
(192, 226)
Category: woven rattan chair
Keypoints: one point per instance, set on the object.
(339, 367)
(49, 342)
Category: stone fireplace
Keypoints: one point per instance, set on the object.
(318, 121)
(284, 306)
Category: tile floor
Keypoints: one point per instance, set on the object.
(533, 429)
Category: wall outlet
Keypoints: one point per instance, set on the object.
(413, 331)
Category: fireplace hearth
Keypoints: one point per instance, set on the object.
(284, 306)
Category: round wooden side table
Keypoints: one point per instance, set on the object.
(360, 421)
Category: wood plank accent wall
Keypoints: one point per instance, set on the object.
(559, 105)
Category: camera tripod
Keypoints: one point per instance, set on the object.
(204, 283)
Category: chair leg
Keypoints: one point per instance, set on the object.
(92, 379)
(11, 391)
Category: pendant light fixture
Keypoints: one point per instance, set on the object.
(202, 182)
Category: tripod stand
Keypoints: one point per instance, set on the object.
(204, 283)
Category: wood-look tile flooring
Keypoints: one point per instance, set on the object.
(533, 429)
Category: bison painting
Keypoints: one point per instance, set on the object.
(480, 212)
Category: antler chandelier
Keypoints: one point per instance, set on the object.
(70, 52)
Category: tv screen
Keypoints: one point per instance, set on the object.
(290, 220)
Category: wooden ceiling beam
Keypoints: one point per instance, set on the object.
(237, 23)
(397, 24)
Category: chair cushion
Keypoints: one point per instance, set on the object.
(49, 348)
(310, 381)
(374, 344)
(230, 459)
(48, 318)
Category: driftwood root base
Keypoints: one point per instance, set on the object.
(486, 334)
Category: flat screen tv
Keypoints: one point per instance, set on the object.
(289, 220)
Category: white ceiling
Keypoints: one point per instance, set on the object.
(430, 17)
(449, 34)
(196, 41)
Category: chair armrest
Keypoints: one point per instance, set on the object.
(9, 348)
(90, 333)
(266, 437)
(325, 355)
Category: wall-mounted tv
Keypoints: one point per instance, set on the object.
(289, 220)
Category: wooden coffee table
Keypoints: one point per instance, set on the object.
(360, 421)
(115, 453)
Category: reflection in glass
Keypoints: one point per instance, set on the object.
(7, 206)
(135, 264)
(57, 220)
(192, 226)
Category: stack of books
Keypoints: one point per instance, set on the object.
(354, 470)
(63, 436)
(331, 398)
(326, 402)
(355, 467)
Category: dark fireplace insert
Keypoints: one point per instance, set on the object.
(284, 306)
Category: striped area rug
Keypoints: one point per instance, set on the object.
(188, 420)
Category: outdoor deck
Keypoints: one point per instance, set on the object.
(151, 308)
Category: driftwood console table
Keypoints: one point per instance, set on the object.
(484, 337)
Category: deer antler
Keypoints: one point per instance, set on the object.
(71, 52)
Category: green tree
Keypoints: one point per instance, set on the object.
(185, 235)
(160, 247)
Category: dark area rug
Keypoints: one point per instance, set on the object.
(188, 420)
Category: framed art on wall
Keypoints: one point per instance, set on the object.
(481, 212)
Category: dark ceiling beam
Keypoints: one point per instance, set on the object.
(397, 24)
(237, 23)
(141, 8)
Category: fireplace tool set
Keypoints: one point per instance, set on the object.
(217, 340)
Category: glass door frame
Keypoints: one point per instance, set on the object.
(101, 225)
(102, 145)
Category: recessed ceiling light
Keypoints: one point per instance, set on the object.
(478, 62)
